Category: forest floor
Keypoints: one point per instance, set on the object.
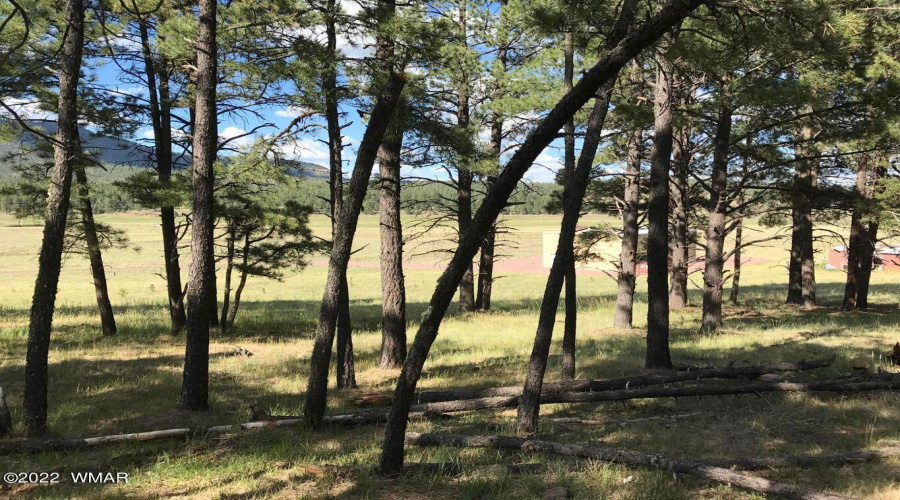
(132, 382)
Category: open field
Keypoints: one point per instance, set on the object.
(132, 382)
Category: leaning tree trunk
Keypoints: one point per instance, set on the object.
(854, 245)
(95, 255)
(628, 255)
(345, 371)
(577, 180)
(495, 200)
(50, 258)
(201, 283)
(573, 194)
(160, 104)
(714, 265)
(393, 287)
(388, 95)
(658, 221)
(681, 163)
(570, 327)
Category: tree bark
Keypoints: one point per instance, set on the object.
(855, 245)
(243, 281)
(345, 370)
(573, 194)
(388, 95)
(393, 287)
(625, 456)
(201, 283)
(464, 172)
(486, 263)
(50, 258)
(681, 164)
(563, 267)
(714, 266)
(95, 255)
(802, 277)
(161, 120)
(392, 450)
(229, 268)
(570, 327)
(658, 220)
(868, 240)
(628, 255)
(346, 362)
(736, 272)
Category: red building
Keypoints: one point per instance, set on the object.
(887, 257)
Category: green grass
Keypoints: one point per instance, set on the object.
(132, 382)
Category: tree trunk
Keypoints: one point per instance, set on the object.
(573, 194)
(161, 120)
(346, 364)
(868, 240)
(486, 263)
(388, 95)
(229, 268)
(658, 221)
(393, 287)
(95, 255)
(345, 371)
(855, 245)
(201, 283)
(243, 281)
(495, 200)
(802, 277)
(570, 327)
(714, 265)
(628, 254)
(736, 274)
(681, 164)
(50, 258)
(464, 172)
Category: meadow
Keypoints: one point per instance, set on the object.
(131, 382)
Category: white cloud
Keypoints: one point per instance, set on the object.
(291, 112)
(544, 168)
(350, 7)
(304, 149)
(27, 109)
(232, 132)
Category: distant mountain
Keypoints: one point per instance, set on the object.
(107, 150)
(118, 152)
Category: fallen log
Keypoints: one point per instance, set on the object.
(442, 468)
(668, 377)
(663, 392)
(803, 460)
(627, 457)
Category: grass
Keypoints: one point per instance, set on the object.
(132, 382)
